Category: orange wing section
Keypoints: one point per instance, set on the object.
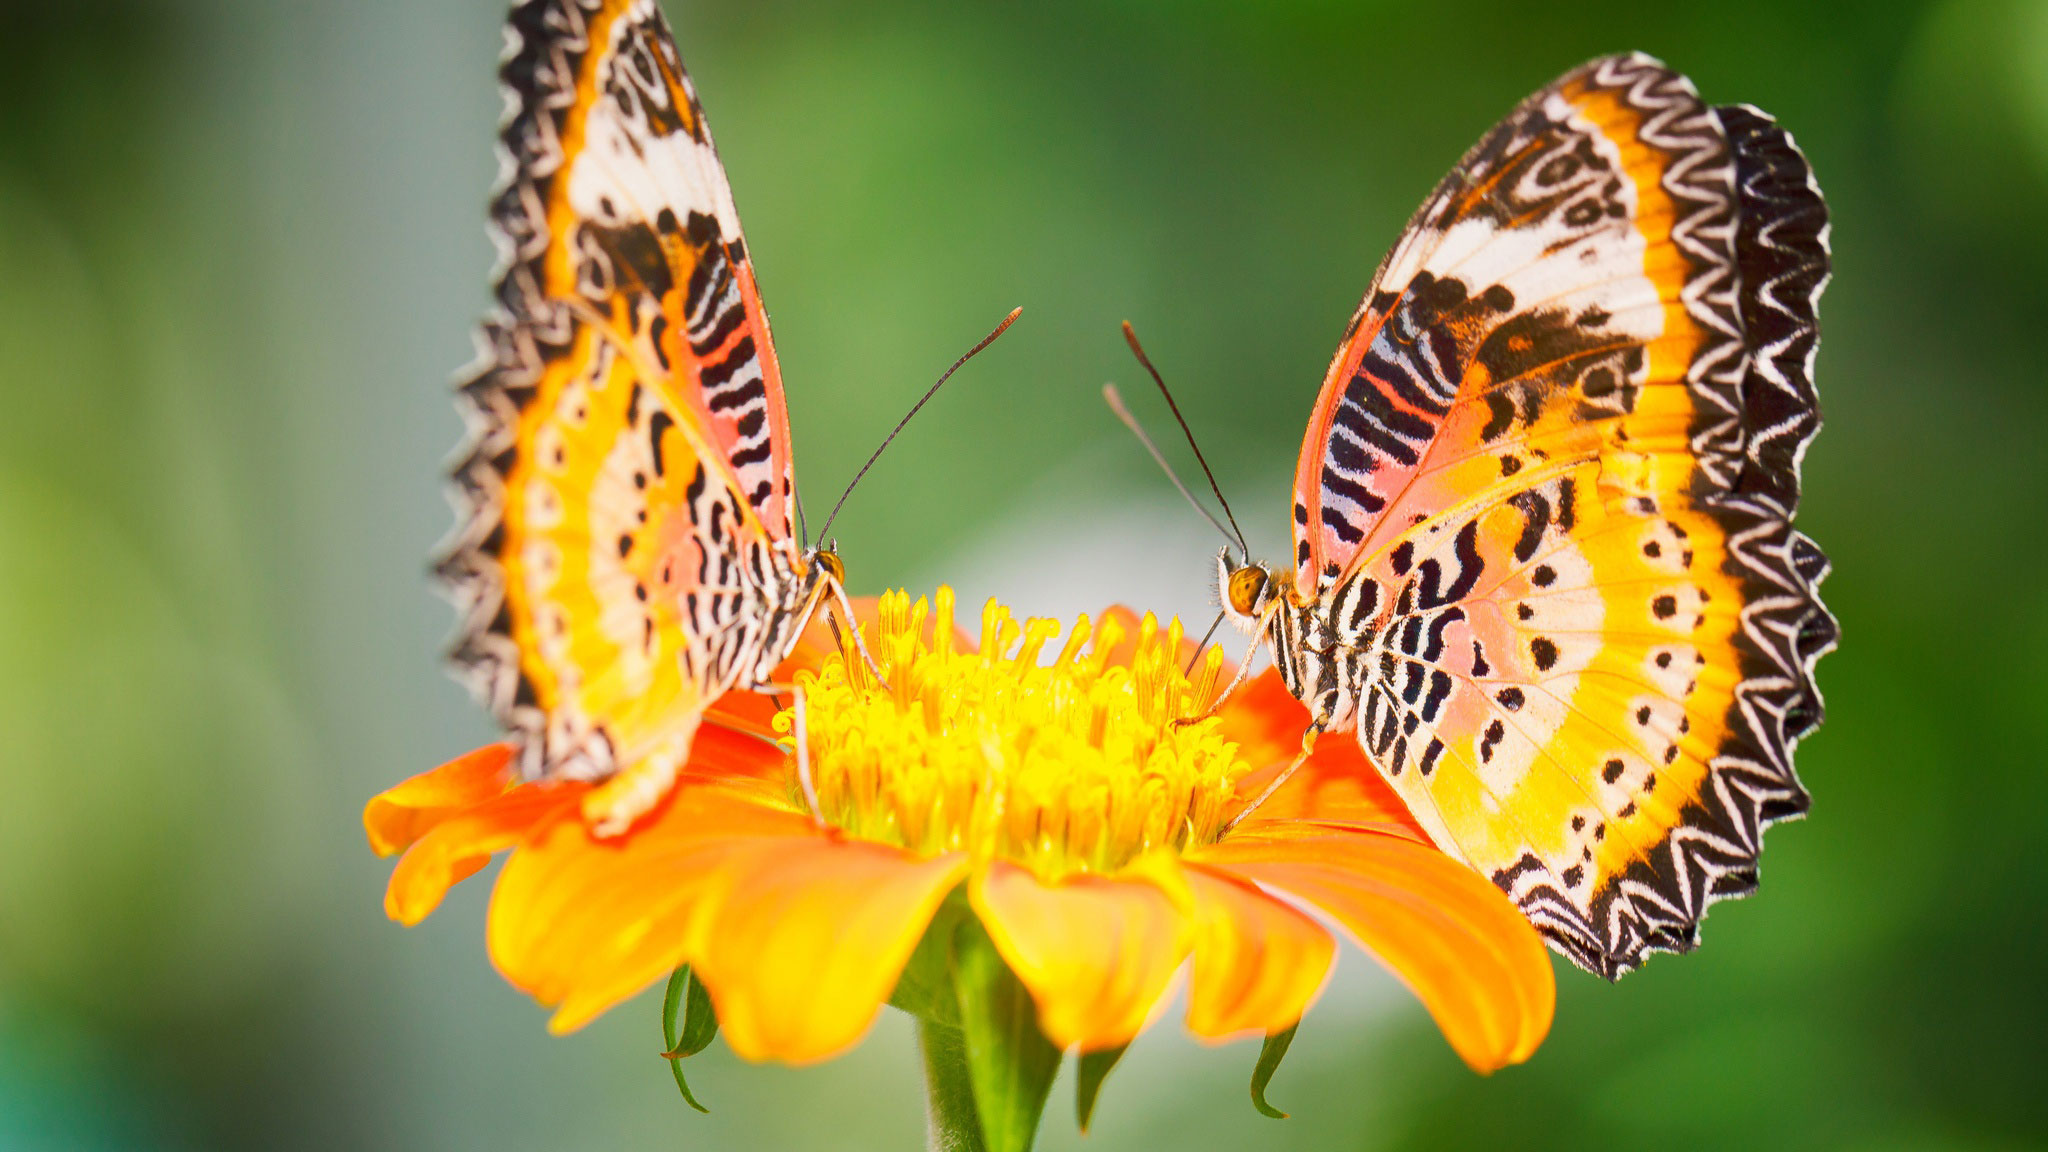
(1546, 504)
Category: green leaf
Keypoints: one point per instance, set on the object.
(1270, 1055)
(686, 995)
(925, 989)
(1010, 1063)
(1094, 1066)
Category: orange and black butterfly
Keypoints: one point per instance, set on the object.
(625, 553)
(1545, 569)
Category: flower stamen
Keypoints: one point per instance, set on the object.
(1083, 763)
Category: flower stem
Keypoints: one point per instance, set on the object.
(951, 1123)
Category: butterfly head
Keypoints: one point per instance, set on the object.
(828, 566)
(1245, 589)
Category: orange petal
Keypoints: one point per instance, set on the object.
(398, 816)
(1264, 719)
(809, 939)
(1128, 620)
(460, 844)
(1336, 784)
(1455, 940)
(1258, 962)
(748, 714)
(1127, 646)
(1096, 952)
(582, 923)
(1190, 645)
(737, 739)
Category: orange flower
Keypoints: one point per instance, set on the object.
(1090, 831)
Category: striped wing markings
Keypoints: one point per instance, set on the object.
(653, 235)
(1385, 435)
(1444, 245)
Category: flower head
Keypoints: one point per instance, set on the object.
(1067, 792)
(1075, 766)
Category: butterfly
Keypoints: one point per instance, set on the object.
(624, 555)
(1545, 571)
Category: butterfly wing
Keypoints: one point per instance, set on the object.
(627, 481)
(1552, 475)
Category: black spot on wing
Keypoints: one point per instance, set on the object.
(1535, 510)
(1430, 754)
(1433, 648)
(716, 375)
(1465, 547)
(657, 339)
(1500, 414)
(1495, 731)
(745, 396)
(1439, 691)
(1338, 484)
(727, 322)
(657, 430)
(753, 455)
(637, 258)
(1346, 531)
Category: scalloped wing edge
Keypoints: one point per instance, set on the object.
(545, 41)
(1782, 264)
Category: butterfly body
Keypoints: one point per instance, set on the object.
(624, 554)
(1545, 570)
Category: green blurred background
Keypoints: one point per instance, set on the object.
(241, 252)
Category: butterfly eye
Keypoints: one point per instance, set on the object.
(1247, 589)
(829, 561)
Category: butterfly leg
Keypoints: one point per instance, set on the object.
(1308, 746)
(1244, 673)
(803, 761)
(845, 608)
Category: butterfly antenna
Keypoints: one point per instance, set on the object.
(1116, 404)
(1138, 350)
(803, 533)
(1202, 644)
(922, 400)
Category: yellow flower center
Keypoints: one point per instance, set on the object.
(1072, 765)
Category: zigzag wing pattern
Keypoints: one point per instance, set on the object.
(1781, 255)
